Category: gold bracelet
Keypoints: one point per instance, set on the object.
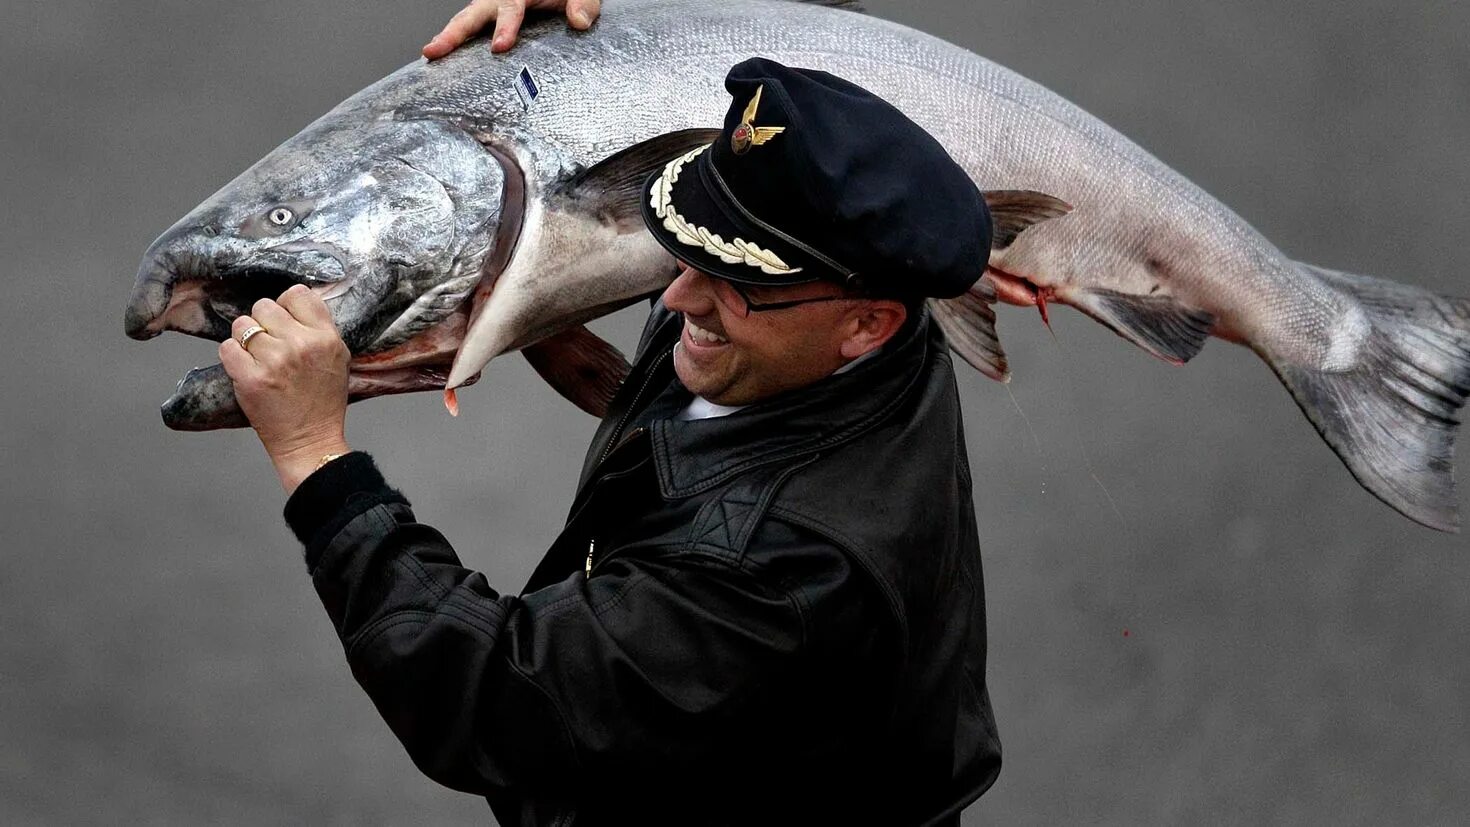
(326, 458)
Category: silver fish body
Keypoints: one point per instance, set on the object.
(531, 194)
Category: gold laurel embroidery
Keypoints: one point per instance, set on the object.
(732, 252)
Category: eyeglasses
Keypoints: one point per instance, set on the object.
(752, 306)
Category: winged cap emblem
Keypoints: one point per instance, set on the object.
(747, 134)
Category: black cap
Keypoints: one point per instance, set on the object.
(815, 178)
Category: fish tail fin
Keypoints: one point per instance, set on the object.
(1392, 419)
(968, 323)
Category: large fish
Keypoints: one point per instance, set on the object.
(480, 204)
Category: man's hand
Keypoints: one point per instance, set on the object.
(507, 15)
(291, 381)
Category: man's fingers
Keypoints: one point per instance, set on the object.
(238, 327)
(461, 27)
(241, 324)
(507, 24)
(238, 363)
(469, 21)
(581, 13)
(436, 48)
(276, 320)
(307, 308)
(508, 16)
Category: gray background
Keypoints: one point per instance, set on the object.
(1196, 615)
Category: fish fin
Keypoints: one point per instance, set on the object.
(1012, 211)
(968, 322)
(613, 188)
(1158, 324)
(580, 366)
(849, 5)
(1392, 418)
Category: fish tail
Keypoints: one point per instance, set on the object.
(1392, 418)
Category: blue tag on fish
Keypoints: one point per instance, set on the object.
(526, 88)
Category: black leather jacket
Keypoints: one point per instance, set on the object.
(771, 617)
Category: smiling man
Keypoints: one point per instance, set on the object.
(766, 605)
(732, 353)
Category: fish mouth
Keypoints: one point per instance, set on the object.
(167, 299)
(203, 306)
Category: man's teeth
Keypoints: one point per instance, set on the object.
(700, 334)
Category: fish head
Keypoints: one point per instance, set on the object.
(387, 219)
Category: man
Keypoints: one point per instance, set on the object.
(766, 605)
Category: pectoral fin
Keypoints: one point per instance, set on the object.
(1012, 211)
(969, 323)
(580, 366)
(612, 189)
(582, 252)
(1158, 324)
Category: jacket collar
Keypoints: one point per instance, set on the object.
(694, 456)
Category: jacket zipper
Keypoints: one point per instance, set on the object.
(615, 442)
(592, 543)
(617, 432)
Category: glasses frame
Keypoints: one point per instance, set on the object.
(764, 307)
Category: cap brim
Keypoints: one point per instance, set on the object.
(692, 220)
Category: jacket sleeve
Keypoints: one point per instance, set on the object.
(651, 660)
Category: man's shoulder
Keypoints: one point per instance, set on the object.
(876, 486)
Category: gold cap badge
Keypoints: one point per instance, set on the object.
(747, 134)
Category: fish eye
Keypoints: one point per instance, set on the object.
(281, 217)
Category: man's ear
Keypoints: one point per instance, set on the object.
(872, 326)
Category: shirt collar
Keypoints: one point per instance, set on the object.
(702, 408)
(696, 454)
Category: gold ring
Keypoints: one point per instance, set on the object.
(248, 332)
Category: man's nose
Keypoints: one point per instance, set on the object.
(690, 293)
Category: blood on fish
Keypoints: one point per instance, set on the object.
(451, 402)
(1021, 291)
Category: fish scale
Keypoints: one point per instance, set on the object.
(553, 205)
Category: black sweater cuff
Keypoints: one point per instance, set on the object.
(333, 496)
